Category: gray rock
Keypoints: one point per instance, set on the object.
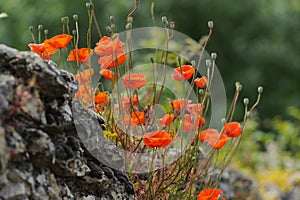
(41, 154)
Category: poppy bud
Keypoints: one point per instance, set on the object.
(130, 19)
(111, 19)
(201, 92)
(246, 101)
(172, 25)
(260, 89)
(129, 26)
(40, 27)
(223, 120)
(89, 6)
(108, 29)
(238, 86)
(165, 21)
(46, 33)
(193, 63)
(75, 17)
(208, 63)
(65, 20)
(210, 24)
(74, 32)
(30, 28)
(214, 56)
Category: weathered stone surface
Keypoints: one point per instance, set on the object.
(41, 155)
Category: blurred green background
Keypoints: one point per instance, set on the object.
(257, 41)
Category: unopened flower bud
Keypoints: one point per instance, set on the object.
(30, 28)
(223, 120)
(172, 25)
(75, 17)
(193, 63)
(246, 101)
(108, 29)
(89, 6)
(208, 63)
(238, 86)
(111, 19)
(40, 27)
(201, 92)
(165, 21)
(260, 89)
(130, 19)
(179, 59)
(65, 20)
(210, 24)
(129, 26)
(214, 56)
(74, 32)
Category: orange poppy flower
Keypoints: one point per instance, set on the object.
(98, 108)
(109, 74)
(194, 108)
(134, 81)
(40, 50)
(58, 41)
(166, 119)
(79, 55)
(179, 103)
(213, 138)
(84, 92)
(137, 118)
(158, 138)
(107, 47)
(101, 98)
(232, 129)
(111, 61)
(210, 194)
(186, 71)
(134, 100)
(201, 82)
(192, 122)
(177, 76)
(84, 76)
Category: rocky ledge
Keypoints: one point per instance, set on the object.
(41, 155)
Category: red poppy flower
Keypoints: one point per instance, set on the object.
(232, 129)
(210, 194)
(213, 138)
(58, 41)
(107, 47)
(98, 108)
(194, 108)
(40, 50)
(134, 100)
(201, 82)
(101, 98)
(111, 61)
(137, 118)
(84, 92)
(109, 74)
(166, 119)
(179, 103)
(84, 76)
(134, 81)
(177, 76)
(186, 71)
(158, 138)
(79, 55)
(192, 122)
